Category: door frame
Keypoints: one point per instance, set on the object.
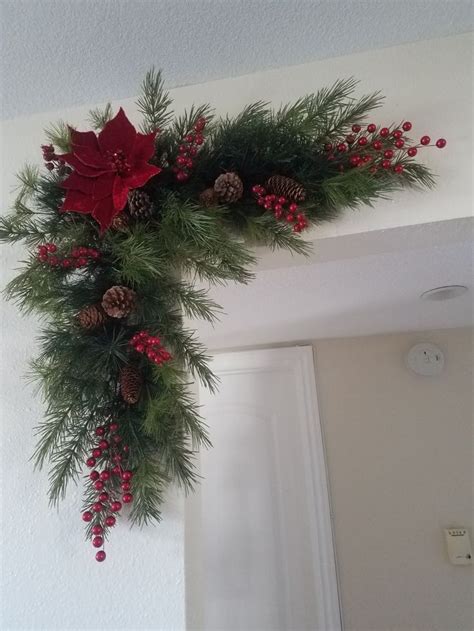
(300, 359)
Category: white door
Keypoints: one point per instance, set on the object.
(263, 558)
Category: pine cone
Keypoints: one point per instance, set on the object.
(286, 187)
(91, 317)
(119, 301)
(140, 205)
(131, 382)
(208, 198)
(229, 187)
(120, 222)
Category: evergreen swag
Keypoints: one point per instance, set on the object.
(183, 200)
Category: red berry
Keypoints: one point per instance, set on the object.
(49, 166)
(90, 462)
(97, 507)
(43, 257)
(341, 147)
(97, 530)
(126, 449)
(181, 161)
(377, 145)
(354, 160)
(104, 444)
(139, 348)
(388, 154)
(100, 556)
(117, 458)
(441, 143)
(293, 208)
(116, 507)
(87, 516)
(182, 176)
(356, 128)
(113, 427)
(96, 453)
(117, 470)
(189, 138)
(386, 164)
(94, 475)
(407, 126)
(127, 476)
(82, 261)
(105, 475)
(199, 139)
(54, 260)
(398, 168)
(126, 486)
(66, 262)
(51, 247)
(98, 485)
(362, 141)
(103, 497)
(100, 431)
(117, 439)
(397, 133)
(182, 148)
(412, 151)
(127, 498)
(97, 541)
(371, 128)
(110, 521)
(350, 139)
(425, 140)
(384, 132)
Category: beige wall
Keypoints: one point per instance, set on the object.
(399, 453)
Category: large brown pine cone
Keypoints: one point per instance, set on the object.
(286, 187)
(119, 301)
(91, 317)
(131, 382)
(140, 205)
(229, 187)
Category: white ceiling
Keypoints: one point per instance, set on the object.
(60, 53)
(367, 295)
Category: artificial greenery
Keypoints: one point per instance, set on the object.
(159, 258)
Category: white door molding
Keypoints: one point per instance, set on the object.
(295, 366)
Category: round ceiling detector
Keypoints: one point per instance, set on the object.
(444, 293)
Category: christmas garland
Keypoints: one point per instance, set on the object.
(118, 226)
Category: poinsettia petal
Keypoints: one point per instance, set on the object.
(84, 139)
(144, 147)
(104, 212)
(104, 185)
(79, 183)
(91, 157)
(120, 193)
(80, 167)
(77, 202)
(118, 134)
(142, 172)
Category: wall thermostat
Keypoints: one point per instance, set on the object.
(425, 359)
(459, 546)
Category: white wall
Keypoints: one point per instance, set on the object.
(50, 579)
(399, 455)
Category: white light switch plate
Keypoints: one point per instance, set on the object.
(459, 546)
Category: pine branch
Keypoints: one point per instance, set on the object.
(154, 102)
(59, 135)
(98, 117)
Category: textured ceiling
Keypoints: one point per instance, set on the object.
(60, 53)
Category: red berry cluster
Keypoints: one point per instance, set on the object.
(52, 161)
(384, 148)
(189, 150)
(108, 484)
(78, 257)
(151, 346)
(281, 207)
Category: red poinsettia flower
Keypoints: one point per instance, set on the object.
(106, 167)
